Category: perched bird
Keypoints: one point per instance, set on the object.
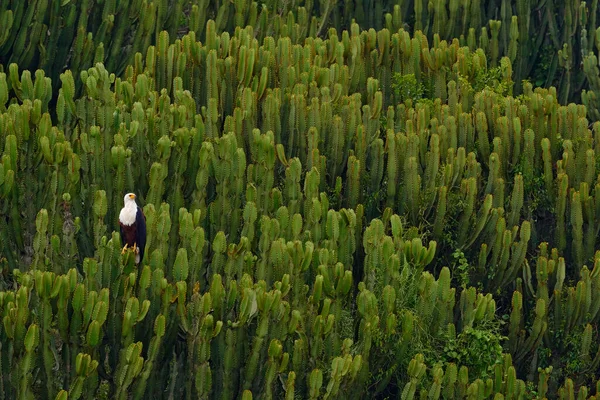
(133, 227)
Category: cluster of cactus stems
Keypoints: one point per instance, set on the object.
(49, 34)
(299, 215)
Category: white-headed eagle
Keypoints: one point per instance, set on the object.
(133, 227)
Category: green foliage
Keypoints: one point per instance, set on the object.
(407, 87)
(316, 194)
(479, 349)
(492, 79)
(461, 268)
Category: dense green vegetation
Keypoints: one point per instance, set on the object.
(338, 206)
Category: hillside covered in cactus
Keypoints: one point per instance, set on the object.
(358, 199)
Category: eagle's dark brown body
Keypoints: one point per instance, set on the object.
(135, 234)
(129, 234)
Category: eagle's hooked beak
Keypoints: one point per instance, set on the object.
(132, 196)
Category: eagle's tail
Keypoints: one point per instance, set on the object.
(137, 258)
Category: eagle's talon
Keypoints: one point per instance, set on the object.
(124, 248)
(135, 248)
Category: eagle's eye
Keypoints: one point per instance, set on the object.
(132, 196)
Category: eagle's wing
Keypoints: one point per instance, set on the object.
(140, 232)
(122, 233)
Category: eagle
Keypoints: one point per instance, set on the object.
(133, 227)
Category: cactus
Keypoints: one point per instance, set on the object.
(303, 195)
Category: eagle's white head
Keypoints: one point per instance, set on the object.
(129, 211)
